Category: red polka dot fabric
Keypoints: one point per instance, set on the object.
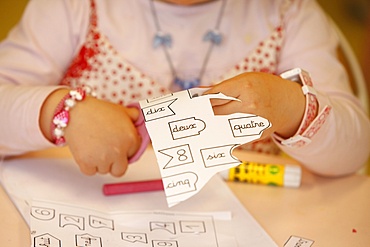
(114, 79)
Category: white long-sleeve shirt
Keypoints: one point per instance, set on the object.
(36, 55)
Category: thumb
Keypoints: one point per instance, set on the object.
(133, 113)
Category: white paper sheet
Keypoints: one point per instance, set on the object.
(191, 143)
(59, 180)
(55, 224)
(295, 241)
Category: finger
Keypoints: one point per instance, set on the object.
(133, 113)
(227, 108)
(87, 170)
(220, 102)
(119, 167)
(220, 110)
(104, 169)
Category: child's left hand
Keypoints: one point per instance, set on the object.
(278, 100)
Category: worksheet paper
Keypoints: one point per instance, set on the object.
(191, 143)
(55, 224)
(59, 182)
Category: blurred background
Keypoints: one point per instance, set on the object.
(351, 16)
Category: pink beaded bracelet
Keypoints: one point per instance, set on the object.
(61, 115)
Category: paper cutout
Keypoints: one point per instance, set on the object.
(191, 143)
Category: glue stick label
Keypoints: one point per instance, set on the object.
(257, 173)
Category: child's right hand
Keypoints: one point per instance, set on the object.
(101, 135)
(280, 101)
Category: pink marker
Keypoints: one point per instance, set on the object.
(132, 187)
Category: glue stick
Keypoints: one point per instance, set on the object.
(264, 173)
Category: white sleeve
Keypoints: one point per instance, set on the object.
(33, 59)
(341, 141)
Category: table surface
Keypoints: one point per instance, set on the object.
(329, 211)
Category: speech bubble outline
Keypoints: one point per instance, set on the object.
(178, 182)
(160, 243)
(134, 237)
(219, 155)
(41, 213)
(185, 128)
(248, 126)
(88, 240)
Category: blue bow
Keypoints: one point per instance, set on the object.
(162, 39)
(214, 36)
(187, 84)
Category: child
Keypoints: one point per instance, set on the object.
(130, 50)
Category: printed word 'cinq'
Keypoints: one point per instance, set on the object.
(178, 183)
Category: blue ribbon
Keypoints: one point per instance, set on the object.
(214, 36)
(162, 39)
(187, 84)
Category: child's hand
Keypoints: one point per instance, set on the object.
(278, 100)
(102, 136)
